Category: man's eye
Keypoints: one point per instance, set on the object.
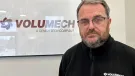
(98, 20)
(84, 21)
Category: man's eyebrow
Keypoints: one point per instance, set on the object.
(84, 19)
(98, 16)
(93, 17)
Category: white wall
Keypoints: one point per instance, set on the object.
(48, 65)
(117, 13)
(130, 22)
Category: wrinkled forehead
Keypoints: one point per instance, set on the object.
(91, 10)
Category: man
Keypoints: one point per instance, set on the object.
(98, 54)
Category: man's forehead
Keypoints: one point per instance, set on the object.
(91, 10)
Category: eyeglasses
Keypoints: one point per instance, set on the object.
(98, 20)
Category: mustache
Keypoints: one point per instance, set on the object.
(92, 32)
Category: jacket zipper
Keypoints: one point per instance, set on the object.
(92, 64)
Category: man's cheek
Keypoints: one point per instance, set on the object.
(82, 34)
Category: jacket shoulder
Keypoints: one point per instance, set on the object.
(72, 50)
(127, 48)
(66, 59)
(129, 51)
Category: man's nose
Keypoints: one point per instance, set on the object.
(91, 25)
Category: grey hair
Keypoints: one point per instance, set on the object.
(105, 5)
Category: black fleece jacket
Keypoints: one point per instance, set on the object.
(111, 59)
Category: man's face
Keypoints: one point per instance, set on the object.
(93, 23)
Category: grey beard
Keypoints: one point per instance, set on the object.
(97, 44)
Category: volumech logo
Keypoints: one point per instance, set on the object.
(6, 23)
(112, 74)
(42, 25)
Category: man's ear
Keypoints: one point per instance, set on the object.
(109, 22)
